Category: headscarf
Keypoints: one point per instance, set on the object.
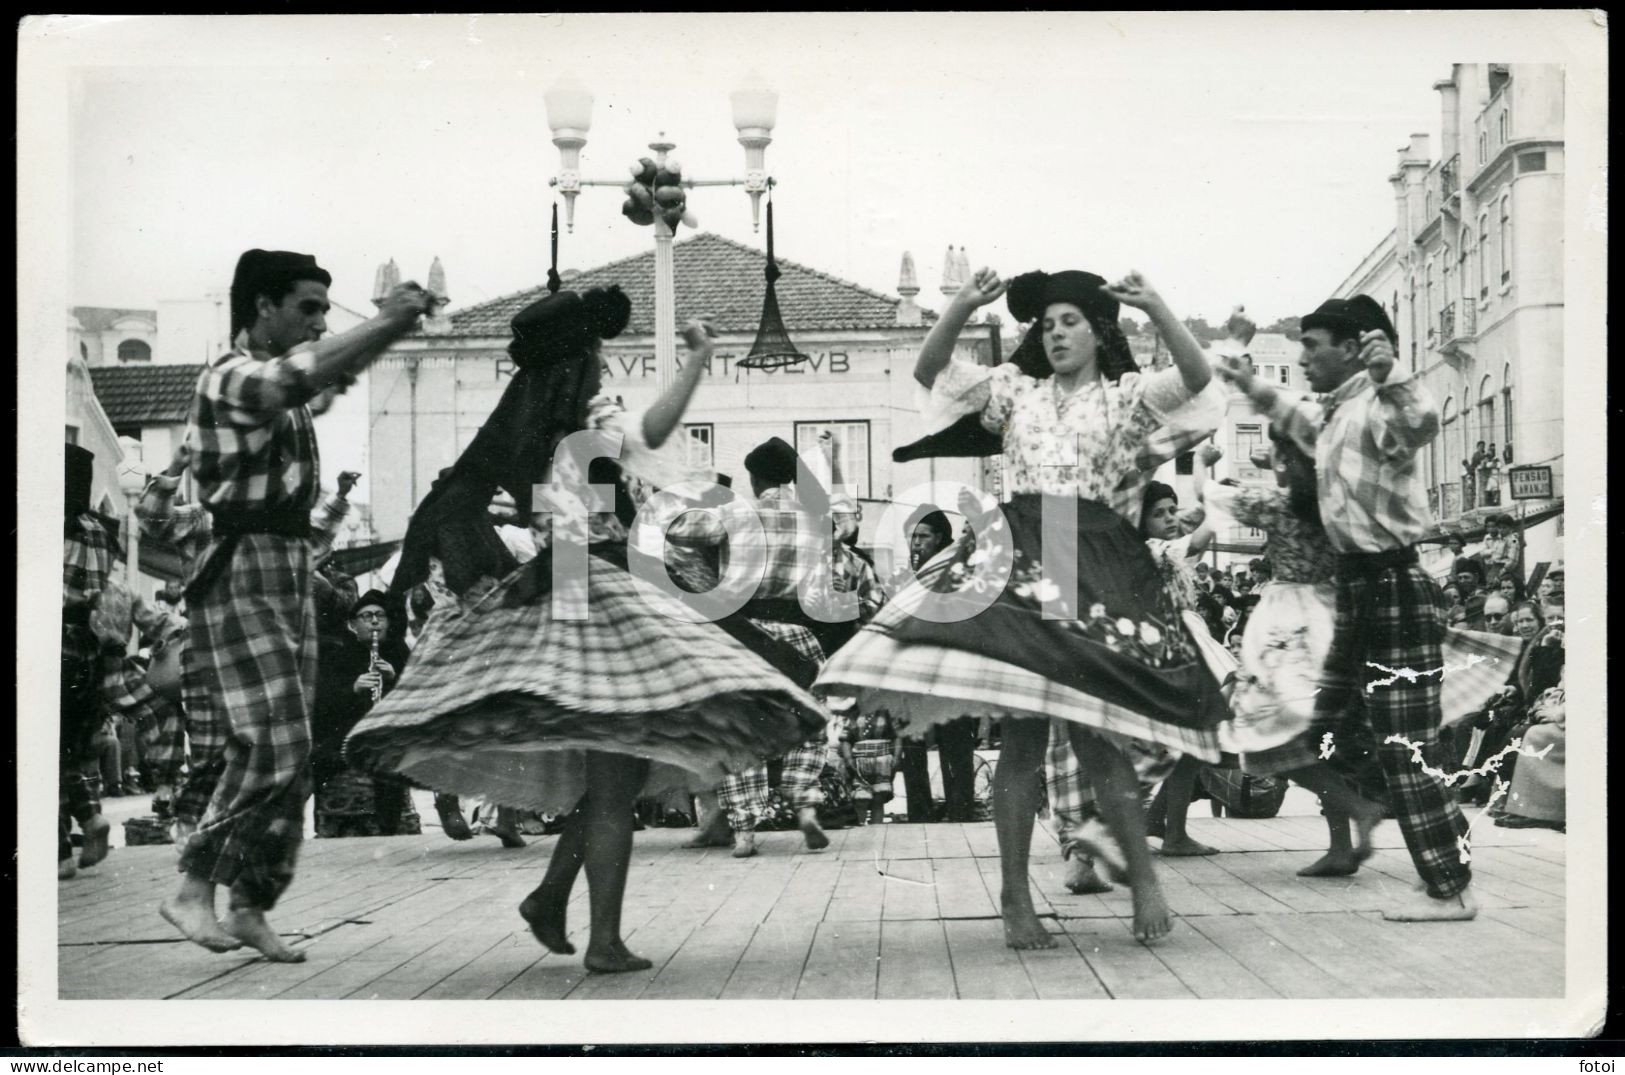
(545, 401)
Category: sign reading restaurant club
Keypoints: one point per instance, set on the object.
(633, 366)
(1530, 483)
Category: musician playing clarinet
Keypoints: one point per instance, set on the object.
(357, 670)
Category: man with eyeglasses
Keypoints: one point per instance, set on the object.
(349, 682)
(1496, 610)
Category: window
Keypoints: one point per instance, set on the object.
(849, 466)
(1506, 237)
(1444, 275)
(1507, 454)
(1427, 299)
(1284, 373)
(1185, 464)
(73, 435)
(1463, 264)
(1249, 438)
(1531, 162)
(1483, 253)
(1483, 148)
(134, 351)
(1487, 431)
(1501, 128)
(1447, 463)
(701, 444)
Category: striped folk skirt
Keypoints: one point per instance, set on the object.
(503, 701)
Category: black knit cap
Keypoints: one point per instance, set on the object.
(261, 271)
(1470, 565)
(566, 320)
(773, 461)
(1350, 317)
(372, 599)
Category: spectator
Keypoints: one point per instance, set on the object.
(1550, 591)
(1469, 576)
(1457, 612)
(1497, 614)
(1510, 586)
(1503, 547)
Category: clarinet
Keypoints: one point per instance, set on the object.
(378, 687)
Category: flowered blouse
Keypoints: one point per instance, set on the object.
(1099, 443)
(1173, 560)
(1298, 550)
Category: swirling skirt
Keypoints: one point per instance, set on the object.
(1121, 661)
(504, 700)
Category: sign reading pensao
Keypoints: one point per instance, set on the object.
(1530, 483)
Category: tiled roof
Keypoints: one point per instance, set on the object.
(145, 394)
(102, 318)
(716, 277)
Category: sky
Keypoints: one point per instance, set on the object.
(1230, 158)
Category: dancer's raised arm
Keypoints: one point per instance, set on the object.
(981, 289)
(662, 418)
(1189, 358)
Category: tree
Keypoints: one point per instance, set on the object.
(1286, 326)
(1129, 326)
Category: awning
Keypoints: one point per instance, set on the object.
(1471, 524)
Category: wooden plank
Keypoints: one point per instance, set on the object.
(984, 968)
(1207, 970)
(551, 977)
(905, 841)
(946, 841)
(1487, 957)
(960, 891)
(1062, 973)
(983, 841)
(770, 967)
(703, 965)
(1127, 969)
(860, 893)
(489, 972)
(1221, 885)
(914, 961)
(807, 896)
(1338, 945)
(1282, 969)
(842, 963)
(910, 890)
(1547, 923)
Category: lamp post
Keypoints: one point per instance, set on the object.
(569, 115)
(132, 482)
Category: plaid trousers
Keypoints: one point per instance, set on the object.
(1394, 619)
(206, 736)
(253, 638)
(1066, 784)
(744, 795)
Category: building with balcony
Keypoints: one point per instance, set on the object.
(1472, 274)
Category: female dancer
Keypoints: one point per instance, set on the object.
(577, 713)
(1080, 427)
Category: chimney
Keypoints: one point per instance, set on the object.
(908, 285)
(389, 275)
(1449, 117)
(951, 282)
(439, 322)
(1413, 170)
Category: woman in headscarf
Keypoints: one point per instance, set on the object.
(565, 692)
(1081, 428)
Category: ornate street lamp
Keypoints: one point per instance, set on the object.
(569, 115)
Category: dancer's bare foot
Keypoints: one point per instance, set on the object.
(197, 924)
(613, 958)
(744, 844)
(714, 833)
(1152, 918)
(1334, 863)
(1364, 825)
(811, 831)
(97, 831)
(1081, 878)
(544, 911)
(1022, 929)
(248, 925)
(452, 821)
(1093, 839)
(65, 869)
(1184, 846)
(1421, 907)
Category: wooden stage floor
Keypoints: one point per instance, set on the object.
(888, 912)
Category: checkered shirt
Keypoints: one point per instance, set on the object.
(788, 539)
(253, 438)
(1364, 438)
(87, 559)
(189, 527)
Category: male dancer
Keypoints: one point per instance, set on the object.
(249, 602)
(1364, 433)
(790, 548)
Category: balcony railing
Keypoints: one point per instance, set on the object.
(1457, 321)
(1450, 184)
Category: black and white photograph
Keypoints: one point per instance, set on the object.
(985, 519)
